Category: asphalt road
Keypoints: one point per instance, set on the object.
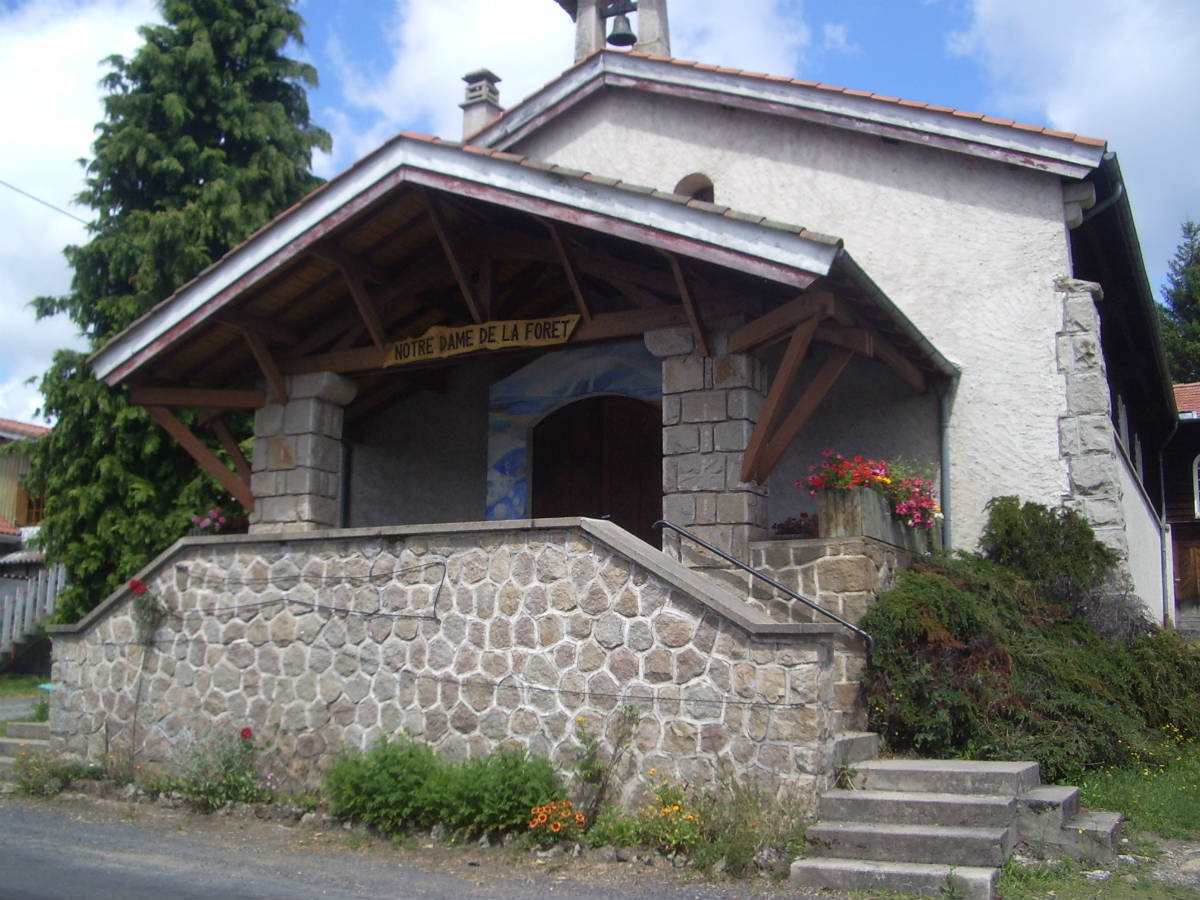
(87, 848)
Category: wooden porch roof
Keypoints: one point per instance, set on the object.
(426, 233)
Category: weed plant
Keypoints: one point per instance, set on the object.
(1160, 796)
(223, 768)
(975, 659)
(44, 775)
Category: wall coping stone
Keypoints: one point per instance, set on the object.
(707, 592)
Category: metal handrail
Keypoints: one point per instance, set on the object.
(663, 523)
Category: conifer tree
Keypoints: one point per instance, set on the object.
(206, 136)
(1180, 314)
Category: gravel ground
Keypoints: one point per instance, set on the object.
(82, 846)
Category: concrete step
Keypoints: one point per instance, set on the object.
(38, 731)
(6, 768)
(947, 776)
(872, 876)
(917, 807)
(14, 747)
(850, 747)
(954, 845)
(1091, 834)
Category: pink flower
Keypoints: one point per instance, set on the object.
(247, 734)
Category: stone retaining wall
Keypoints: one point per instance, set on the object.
(464, 638)
(842, 575)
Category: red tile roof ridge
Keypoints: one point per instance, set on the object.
(868, 95)
(7, 527)
(1187, 397)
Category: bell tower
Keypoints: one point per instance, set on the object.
(593, 19)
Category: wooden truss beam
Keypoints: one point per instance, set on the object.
(443, 235)
(565, 261)
(201, 397)
(775, 325)
(208, 460)
(267, 328)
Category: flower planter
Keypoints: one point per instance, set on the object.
(866, 513)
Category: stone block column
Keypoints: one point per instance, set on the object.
(297, 455)
(710, 407)
(1087, 442)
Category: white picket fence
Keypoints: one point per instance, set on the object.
(26, 603)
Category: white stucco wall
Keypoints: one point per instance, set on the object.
(968, 248)
(1145, 537)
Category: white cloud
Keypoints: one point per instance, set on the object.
(835, 37)
(1126, 72)
(527, 43)
(49, 69)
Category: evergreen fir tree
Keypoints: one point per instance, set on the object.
(1180, 314)
(206, 137)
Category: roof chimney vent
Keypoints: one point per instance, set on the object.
(482, 104)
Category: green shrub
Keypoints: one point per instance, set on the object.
(1055, 549)
(399, 786)
(494, 794)
(393, 787)
(975, 659)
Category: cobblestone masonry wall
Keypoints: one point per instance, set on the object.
(466, 638)
(842, 575)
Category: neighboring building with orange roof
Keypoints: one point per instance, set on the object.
(19, 504)
(1182, 484)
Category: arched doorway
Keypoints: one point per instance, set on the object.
(600, 456)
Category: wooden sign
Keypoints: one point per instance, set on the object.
(442, 341)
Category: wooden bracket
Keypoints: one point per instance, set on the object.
(208, 460)
(266, 362)
(781, 388)
(686, 296)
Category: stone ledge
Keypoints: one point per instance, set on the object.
(706, 592)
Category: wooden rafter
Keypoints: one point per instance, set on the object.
(208, 460)
(348, 262)
(689, 307)
(201, 397)
(266, 362)
(813, 394)
(778, 323)
(781, 388)
(460, 275)
(366, 309)
(268, 328)
(221, 430)
(565, 261)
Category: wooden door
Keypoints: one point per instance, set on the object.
(600, 457)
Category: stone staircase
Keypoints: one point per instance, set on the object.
(23, 737)
(943, 828)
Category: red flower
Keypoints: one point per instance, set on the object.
(247, 734)
(137, 586)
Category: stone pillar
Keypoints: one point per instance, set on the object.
(710, 408)
(1087, 442)
(297, 455)
(589, 29)
(653, 32)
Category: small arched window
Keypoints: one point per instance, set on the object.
(698, 186)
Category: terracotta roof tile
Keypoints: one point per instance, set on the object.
(7, 527)
(11, 426)
(1187, 397)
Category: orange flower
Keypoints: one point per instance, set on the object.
(555, 826)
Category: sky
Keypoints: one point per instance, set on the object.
(1126, 72)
